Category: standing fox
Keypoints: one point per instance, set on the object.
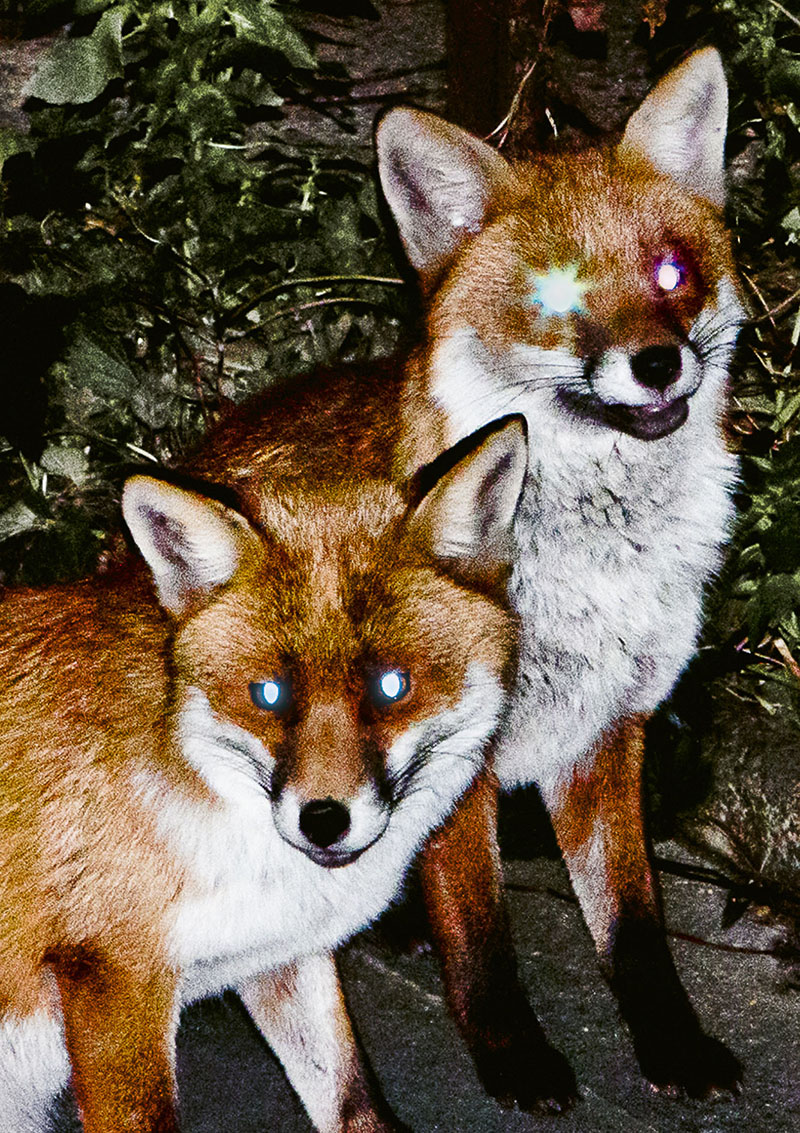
(216, 769)
(594, 293)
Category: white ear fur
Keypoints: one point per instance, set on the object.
(467, 516)
(192, 545)
(680, 127)
(439, 182)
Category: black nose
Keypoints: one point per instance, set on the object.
(324, 821)
(657, 366)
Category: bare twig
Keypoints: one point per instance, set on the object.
(785, 12)
(285, 311)
(776, 312)
(313, 281)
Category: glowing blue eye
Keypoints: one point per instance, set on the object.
(269, 695)
(392, 685)
(669, 275)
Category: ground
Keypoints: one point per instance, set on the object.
(231, 1084)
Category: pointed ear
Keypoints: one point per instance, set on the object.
(192, 545)
(680, 127)
(440, 182)
(466, 516)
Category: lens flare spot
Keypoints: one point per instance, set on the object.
(558, 291)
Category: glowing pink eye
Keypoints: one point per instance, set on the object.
(669, 275)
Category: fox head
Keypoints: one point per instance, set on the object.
(593, 291)
(343, 662)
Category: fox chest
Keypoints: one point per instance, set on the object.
(250, 902)
(609, 582)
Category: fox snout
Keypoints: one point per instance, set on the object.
(331, 831)
(328, 795)
(644, 392)
(656, 367)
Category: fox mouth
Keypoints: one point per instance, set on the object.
(646, 422)
(332, 859)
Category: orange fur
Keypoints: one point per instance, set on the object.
(140, 774)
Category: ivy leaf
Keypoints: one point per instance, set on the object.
(78, 70)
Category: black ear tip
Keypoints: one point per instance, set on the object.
(430, 474)
(511, 420)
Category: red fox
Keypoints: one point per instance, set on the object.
(594, 293)
(216, 768)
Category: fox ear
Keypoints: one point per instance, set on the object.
(680, 127)
(440, 182)
(471, 492)
(192, 545)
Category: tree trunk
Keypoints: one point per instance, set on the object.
(562, 69)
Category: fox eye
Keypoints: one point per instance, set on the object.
(391, 686)
(669, 274)
(272, 696)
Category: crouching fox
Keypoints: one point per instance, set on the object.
(594, 293)
(217, 764)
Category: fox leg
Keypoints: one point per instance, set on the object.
(119, 1029)
(599, 822)
(463, 887)
(301, 1012)
(34, 1068)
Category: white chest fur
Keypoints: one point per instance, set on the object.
(617, 538)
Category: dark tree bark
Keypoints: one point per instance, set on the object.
(563, 69)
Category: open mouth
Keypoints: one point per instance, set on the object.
(647, 422)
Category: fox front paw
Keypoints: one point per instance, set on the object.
(701, 1067)
(527, 1072)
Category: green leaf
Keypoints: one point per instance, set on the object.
(89, 7)
(18, 519)
(788, 411)
(777, 597)
(72, 463)
(262, 24)
(780, 541)
(78, 70)
(12, 142)
(210, 15)
(91, 367)
(791, 222)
